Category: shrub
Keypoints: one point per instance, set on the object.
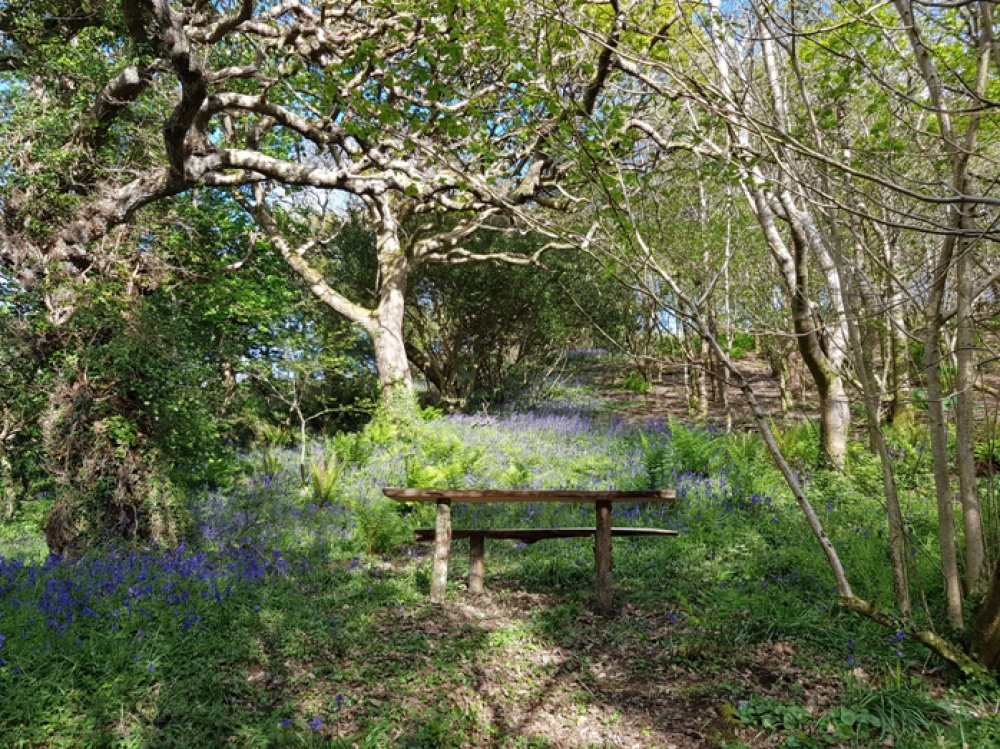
(324, 476)
(746, 462)
(799, 443)
(692, 449)
(654, 460)
(377, 525)
(635, 383)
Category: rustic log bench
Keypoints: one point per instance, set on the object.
(602, 531)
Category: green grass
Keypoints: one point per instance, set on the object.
(731, 628)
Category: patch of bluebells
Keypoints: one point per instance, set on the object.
(561, 451)
(120, 590)
(264, 511)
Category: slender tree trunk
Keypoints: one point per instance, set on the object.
(687, 381)
(781, 370)
(939, 440)
(8, 488)
(701, 373)
(901, 402)
(872, 397)
(975, 552)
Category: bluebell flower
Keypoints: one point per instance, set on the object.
(315, 723)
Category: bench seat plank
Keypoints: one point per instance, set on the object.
(528, 495)
(531, 535)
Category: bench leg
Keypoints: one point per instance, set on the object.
(477, 555)
(602, 557)
(442, 551)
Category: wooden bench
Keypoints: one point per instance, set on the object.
(602, 531)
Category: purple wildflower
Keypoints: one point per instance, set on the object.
(315, 723)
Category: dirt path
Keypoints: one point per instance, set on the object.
(596, 682)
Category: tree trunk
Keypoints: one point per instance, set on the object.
(835, 419)
(8, 488)
(387, 336)
(872, 397)
(975, 553)
(986, 626)
(822, 350)
(942, 474)
(387, 329)
(900, 408)
(778, 357)
(701, 373)
(901, 402)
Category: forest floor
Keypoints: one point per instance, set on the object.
(558, 675)
(667, 399)
(643, 677)
(726, 636)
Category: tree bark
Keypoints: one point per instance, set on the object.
(387, 334)
(900, 409)
(986, 626)
(901, 401)
(972, 516)
(939, 447)
(8, 488)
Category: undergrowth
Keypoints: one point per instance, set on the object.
(297, 616)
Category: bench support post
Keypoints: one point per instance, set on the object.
(442, 551)
(602, 556)
(477, 554)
